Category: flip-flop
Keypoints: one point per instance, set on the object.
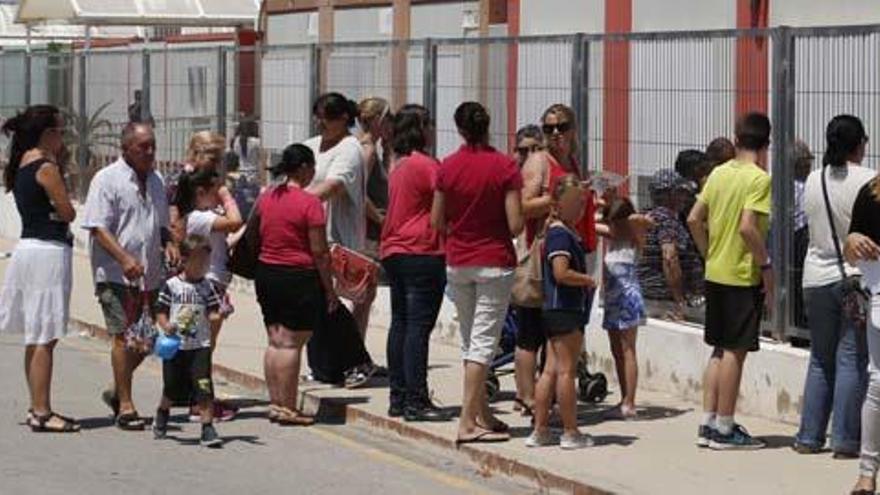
(483, 436)
(131, 422)
(288, 417)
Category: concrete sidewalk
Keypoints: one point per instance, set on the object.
(655, 454)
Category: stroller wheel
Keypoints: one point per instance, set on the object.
(493, 385)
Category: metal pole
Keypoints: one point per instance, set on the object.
(82, 155)
(27, 67)
(783, 114)
(429, 83)
(146, 114)
(580, 95)
(221, 90)
(315, 88)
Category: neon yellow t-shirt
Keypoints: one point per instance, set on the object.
(733, 187)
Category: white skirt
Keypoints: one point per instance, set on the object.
(35, 296)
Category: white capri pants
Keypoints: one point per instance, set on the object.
(481, 296)
(870, 460)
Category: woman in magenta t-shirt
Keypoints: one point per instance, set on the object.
(412, 255)
(477, 203)
(293, 279)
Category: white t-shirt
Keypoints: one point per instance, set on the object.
(346, 213)
(188, 305)
(201, 222)
(844, 183)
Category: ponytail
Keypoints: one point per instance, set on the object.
(25, 130)
(844, 135)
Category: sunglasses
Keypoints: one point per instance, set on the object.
(526, 150)
(561, 127)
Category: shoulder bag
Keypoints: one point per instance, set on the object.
(855, 299)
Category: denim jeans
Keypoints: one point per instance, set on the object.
(870, 459)
(417, 284)
(837, 375)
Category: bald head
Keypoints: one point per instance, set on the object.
(139, 146)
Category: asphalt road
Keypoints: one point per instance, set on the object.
(257, 457)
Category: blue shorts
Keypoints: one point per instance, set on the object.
(624, 305)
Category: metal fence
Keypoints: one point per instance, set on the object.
(682, 90)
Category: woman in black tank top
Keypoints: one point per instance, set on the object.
(35, 296)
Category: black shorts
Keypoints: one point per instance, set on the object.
(529, 330)
(733, 316)
(290, 297)
(559, 322)
(187, 377)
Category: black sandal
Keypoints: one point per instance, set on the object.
(130, 422)
(39, 424)
(524, 409)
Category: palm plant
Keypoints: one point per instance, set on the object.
(88, 138)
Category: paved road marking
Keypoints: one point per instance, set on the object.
(434, 474)
(374, 453)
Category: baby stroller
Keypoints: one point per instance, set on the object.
(505, 355)
(592, 387)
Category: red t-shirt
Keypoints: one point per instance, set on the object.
(586, 228)
(475, 181)
(286, 215)
(407, 228)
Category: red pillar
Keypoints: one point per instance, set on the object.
(247, 67)
(752, 58)
(513, 13)
(615, 151)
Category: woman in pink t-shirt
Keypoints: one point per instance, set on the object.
(293, 279)
(477, 204)
(413, 257)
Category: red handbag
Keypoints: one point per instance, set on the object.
(355, 275)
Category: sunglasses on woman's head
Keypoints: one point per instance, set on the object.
(562, 127)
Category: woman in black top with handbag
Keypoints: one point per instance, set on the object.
(35, 296)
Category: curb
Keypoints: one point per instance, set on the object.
(487, 462)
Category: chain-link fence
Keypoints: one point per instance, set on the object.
(639, 98)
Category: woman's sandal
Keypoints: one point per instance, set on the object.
(497, 426)
(273, 413)
(524, 409)
(130, 421)
(40, 424)
(481, 435)
(288, 417)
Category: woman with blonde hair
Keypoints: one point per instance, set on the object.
(374, 117)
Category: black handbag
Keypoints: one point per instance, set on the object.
(855, 298)
(246, 252)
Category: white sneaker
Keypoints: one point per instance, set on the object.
(537, 439)
(576, 441)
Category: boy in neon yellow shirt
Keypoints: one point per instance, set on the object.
(729, 224)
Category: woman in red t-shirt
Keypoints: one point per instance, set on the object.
(293, 279)
(412, 255)
(477, 204)
(540, 172)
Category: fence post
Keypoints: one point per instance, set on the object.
(82, 151)
(783, 114)
(429, 81)
(580, 95)
(315, 89)
(221, 90)
(27, 77)
(146, 112)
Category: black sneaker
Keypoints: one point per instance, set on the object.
(737, 439)
(160, 424)
(210, 438)
(801, 448)
(425, 411)
(395, 410)
(704, 435)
